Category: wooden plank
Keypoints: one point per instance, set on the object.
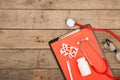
(27, 59)
(116, 72)
(59, 4)
(102, 36)
(31, 59)
(56, 19)
(17, 59)
(110, 56)
(114, 64)
(39, 74)
(46, 59)
(18, 19)
(36, 39)
(11, 39)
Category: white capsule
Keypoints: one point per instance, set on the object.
(86, 38)
(78, 42)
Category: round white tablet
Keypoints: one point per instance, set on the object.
(70, 22)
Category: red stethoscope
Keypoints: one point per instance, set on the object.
(71, 23)
(81, 42)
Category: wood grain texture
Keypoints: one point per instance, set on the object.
(59, 4)
(26, 26)
(41, 59)
(56, 19)
(31, 59)
(18, 19)
(38, 74)
(111, 59)
(38, 39)
(116, 72)
(27, 59)
(101, 36)
(18, 59)
(27, 38)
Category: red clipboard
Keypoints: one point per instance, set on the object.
(72, 38)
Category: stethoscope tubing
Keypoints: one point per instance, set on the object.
(102, 57)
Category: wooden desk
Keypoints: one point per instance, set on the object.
(26, 26)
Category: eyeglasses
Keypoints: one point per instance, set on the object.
(110, 46)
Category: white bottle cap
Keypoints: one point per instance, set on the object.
(70, 22)
(81, 60)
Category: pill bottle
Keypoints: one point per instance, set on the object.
(83, 66)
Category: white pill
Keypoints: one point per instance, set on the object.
(86, 38)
